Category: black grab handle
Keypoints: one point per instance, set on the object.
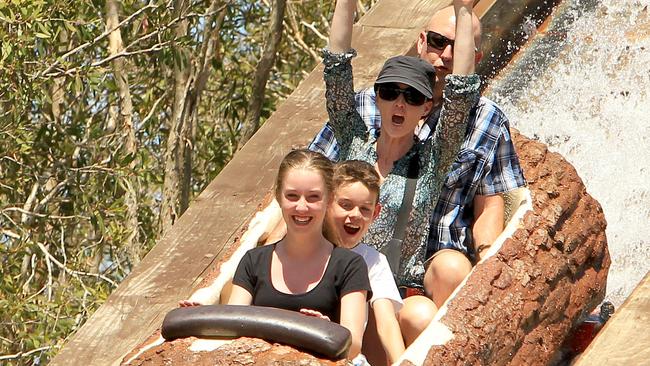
(277, 325)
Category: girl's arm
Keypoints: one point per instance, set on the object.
(353, 317)
(464, 47)
(261, 226)
(244, 281)
(240, 296)
(388, 329)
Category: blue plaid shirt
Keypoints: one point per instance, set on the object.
(487, 164)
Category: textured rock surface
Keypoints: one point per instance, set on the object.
(243, 351)
(518, 306)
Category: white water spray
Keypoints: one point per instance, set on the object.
(590, 101)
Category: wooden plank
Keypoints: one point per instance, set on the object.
(625, 339)
(403, 14)
(177, 263)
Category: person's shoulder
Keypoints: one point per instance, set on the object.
(485, 101)
(261, 250)
(369, 254)
(490, 110)
(344, 252)
(345, 255)
(489, 119)
(365, 101)
(366, 93)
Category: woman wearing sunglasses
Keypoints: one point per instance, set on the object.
(404, 89)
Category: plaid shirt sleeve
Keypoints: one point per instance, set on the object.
(493, 168)
(325, 142)
(505, 173)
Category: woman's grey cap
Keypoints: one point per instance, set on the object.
(411, 71)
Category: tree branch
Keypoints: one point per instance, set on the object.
(125, 53)
(130, 143)
(24, 354)
(29, 204)
(173, 155)
(97, 39)
(152, 110)
(41, 215)
(297, 35)
(69, 72)
(314, 29)
(262, 73)
(72, 272)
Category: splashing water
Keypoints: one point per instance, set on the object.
(586, 96)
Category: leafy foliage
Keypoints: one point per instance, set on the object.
(64, 168)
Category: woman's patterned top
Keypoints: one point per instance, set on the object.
(435, 155)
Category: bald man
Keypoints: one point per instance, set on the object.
(470, 212)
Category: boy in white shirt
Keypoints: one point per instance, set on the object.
(355, 206)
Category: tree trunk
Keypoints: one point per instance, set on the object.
(132, 245)
(202, 72)
(252, 123)
(190, 78)
(173, 153)
(58, 92)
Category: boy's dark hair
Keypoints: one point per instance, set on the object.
(352, 171)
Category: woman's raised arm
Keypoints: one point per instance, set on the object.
(460, 95)
(464, 47)
(341, 28)
(339, 88)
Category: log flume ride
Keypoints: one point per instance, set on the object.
(543, 275)
(275, 325)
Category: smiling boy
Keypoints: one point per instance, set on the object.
(355, 206)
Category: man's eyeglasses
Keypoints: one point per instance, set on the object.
(390, 92)
(438, 41)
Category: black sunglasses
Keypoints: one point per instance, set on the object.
(390, 92)
(438, 41)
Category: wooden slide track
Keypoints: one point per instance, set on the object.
(208, 231)
(625, 339)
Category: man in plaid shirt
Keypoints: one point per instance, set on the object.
(470, 212)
